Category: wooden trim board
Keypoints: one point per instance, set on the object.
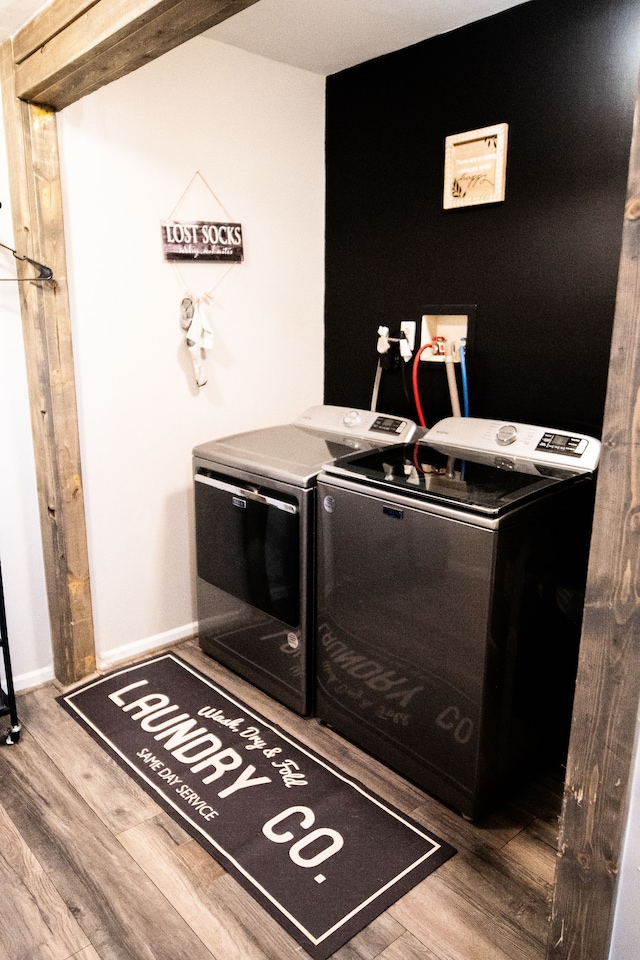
(608, 687)
(36, 204)
(46, 24)
(109, 39)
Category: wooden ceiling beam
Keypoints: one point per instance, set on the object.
(92, 44)
(45, 24)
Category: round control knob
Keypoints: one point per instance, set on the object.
(351, 418)
(507, 434)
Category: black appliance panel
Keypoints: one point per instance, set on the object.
(248, 544)
(254, 570)
(435, 635)
(402, 656)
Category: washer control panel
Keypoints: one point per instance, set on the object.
(519, 441)
(563, 443)
(362, 423)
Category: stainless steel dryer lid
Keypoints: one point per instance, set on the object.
(295, 452)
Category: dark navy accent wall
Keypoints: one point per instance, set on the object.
(542, 266)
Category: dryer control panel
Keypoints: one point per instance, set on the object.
(362, 423)
(517, 441)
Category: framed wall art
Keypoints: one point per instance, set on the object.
(474, 166)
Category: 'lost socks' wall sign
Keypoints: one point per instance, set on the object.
(200, 240)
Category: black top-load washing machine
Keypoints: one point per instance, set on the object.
(451, 573)
(255, 542)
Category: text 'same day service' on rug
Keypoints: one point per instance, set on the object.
(321, 853)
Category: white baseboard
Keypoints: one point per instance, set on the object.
(130, 650)
(34, 678)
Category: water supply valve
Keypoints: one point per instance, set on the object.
(438, 329)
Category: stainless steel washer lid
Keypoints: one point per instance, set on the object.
(471, 483)
(295, 452)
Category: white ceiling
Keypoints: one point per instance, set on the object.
(14, 13)
(323, 36)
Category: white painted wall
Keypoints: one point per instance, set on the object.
(626, 922)
(20, 543)
(254, 129)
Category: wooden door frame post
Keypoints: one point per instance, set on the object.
(603, 729)
(36, 205)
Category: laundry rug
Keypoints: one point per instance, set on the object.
(320, 852)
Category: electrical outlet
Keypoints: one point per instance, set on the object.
(408, 327)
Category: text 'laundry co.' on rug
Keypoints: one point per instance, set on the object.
(320, 852)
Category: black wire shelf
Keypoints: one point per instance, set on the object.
(7, 693)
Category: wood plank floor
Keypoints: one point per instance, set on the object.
(92, 869)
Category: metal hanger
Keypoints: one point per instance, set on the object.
(44, 273)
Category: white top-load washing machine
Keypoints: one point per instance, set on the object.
(255, 541)
(451, 576)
